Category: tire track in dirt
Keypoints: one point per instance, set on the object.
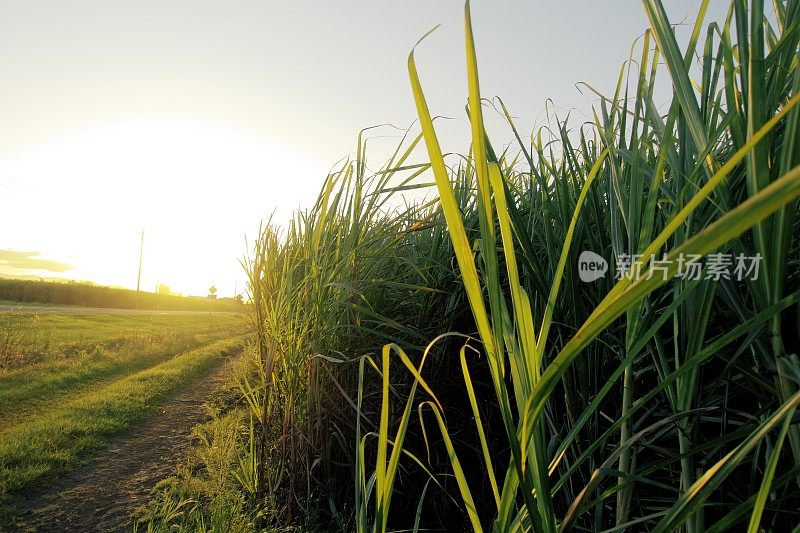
(102, 495)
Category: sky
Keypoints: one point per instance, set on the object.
(194, 121)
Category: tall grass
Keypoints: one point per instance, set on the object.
(349, 275)
(656, 402)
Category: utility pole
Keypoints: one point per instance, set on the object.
(139, 277)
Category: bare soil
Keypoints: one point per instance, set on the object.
(102, 495)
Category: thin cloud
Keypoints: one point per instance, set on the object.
(31, 261)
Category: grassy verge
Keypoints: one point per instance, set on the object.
(204, 494)
(214, 487)
(66, 437)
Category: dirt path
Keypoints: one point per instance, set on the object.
(102, 495)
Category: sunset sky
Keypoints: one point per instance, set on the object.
(195, 120)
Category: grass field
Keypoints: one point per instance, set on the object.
(28, 339)
(71, 381)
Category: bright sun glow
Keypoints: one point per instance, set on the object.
(196, 189)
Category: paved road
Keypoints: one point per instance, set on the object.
(71, 310)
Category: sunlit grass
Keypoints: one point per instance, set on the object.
(60, 340)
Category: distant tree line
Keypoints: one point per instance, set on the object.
(89, 295)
